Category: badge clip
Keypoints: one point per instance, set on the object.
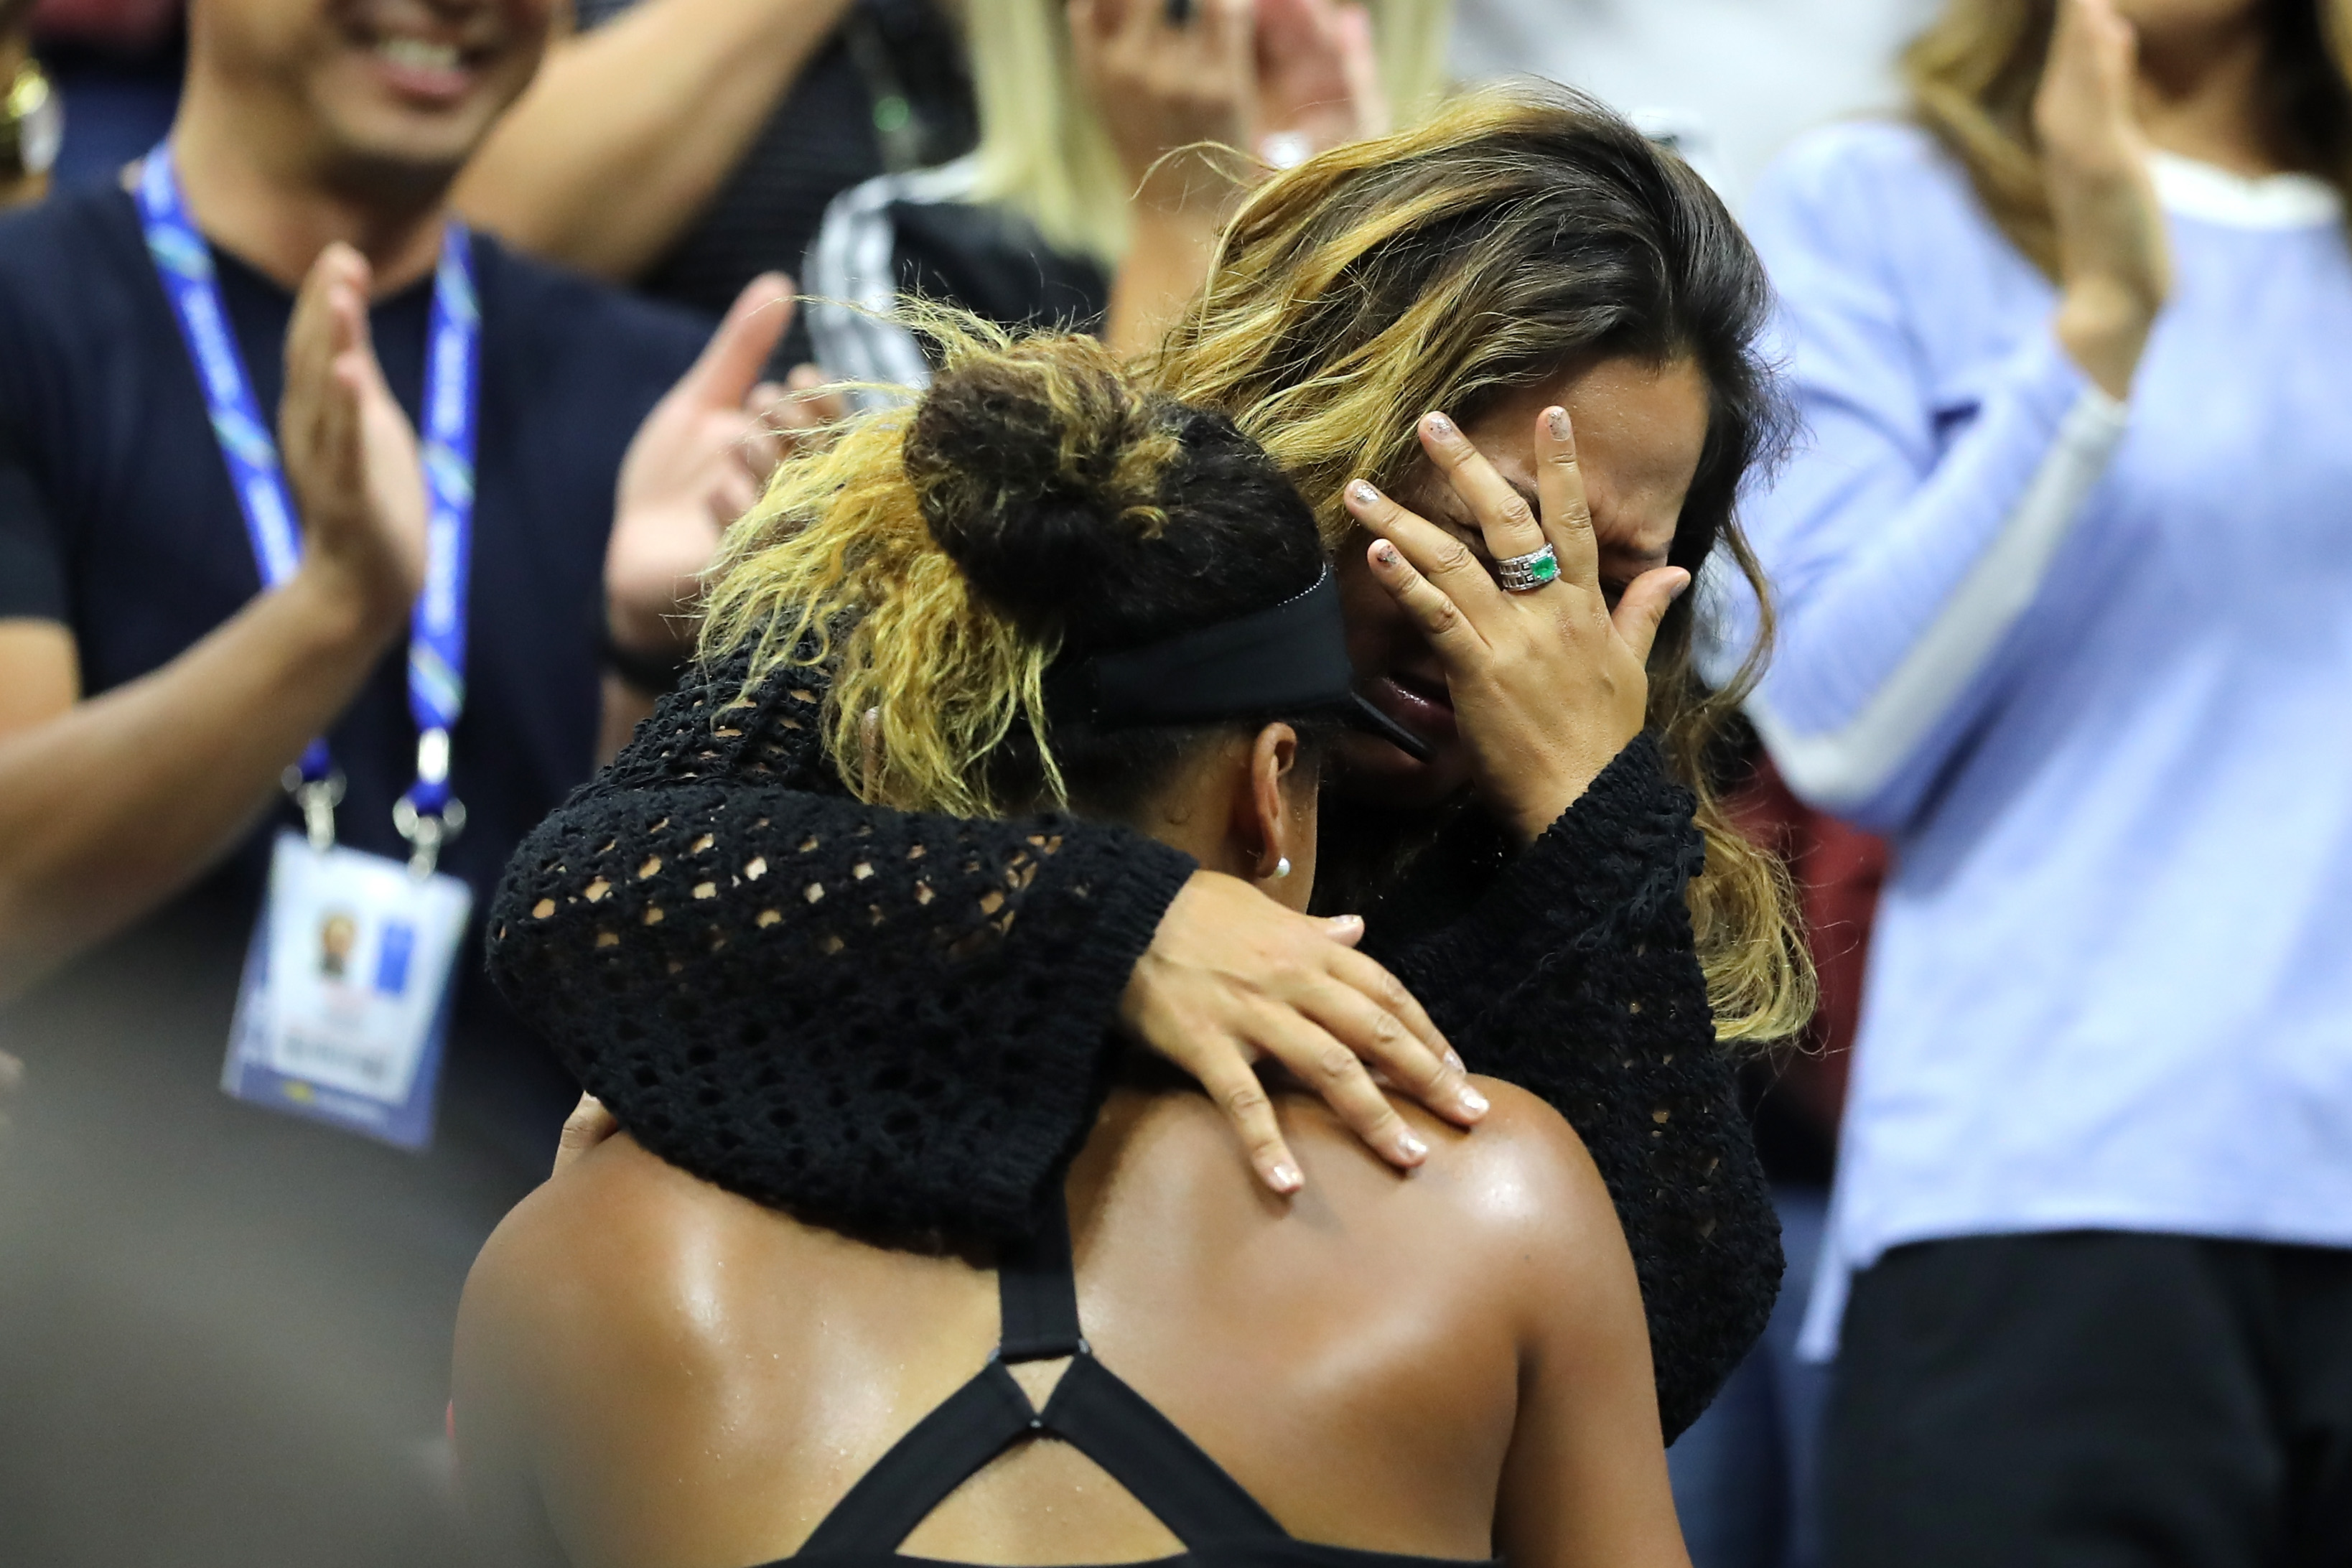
(428, 829)
(318, 798)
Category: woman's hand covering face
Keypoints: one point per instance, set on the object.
(1544, 687)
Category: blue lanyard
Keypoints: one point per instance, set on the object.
(436, 645)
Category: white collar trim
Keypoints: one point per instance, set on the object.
(2190, 189)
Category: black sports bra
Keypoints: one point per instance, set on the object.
(1090, 1409)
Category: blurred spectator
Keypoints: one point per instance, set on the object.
(2063, 585)
(228, 1330)
(30, 115)
(1728, 82)
(1086, 203)
(729, 124)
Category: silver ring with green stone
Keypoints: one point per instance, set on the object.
(1526, 573)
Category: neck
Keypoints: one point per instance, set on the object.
(257, 185)
(2201, 94)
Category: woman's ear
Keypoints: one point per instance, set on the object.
(1281, 808)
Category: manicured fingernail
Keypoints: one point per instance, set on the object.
(1454, 1059)
(1362, 493)
(1439, 425)
(1385, 553)
(1412, 1148)
(1558, 419)
(1472, 1102)
(1286, 1178)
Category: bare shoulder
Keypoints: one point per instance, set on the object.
(1516, 1201)
(1520, 1182)
(1522, 1163)
(1516, 1194)
(603, 1248)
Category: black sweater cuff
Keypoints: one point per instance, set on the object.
(1624, 848)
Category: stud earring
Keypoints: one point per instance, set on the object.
(1282, 867)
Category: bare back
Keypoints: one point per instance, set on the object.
(1445, 1364)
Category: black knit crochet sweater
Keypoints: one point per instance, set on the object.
(904, 1021)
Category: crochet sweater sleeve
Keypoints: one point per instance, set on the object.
(898, 1022)
(904, 1021)
(1570, 970)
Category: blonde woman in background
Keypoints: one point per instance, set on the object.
(2064, 580)
(1117, 136)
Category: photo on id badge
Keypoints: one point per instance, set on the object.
(345, 1005)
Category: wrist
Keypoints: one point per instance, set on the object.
(341, 610)
(2103, 326)
(650, 632)
(1528, 809)
(1188, 196)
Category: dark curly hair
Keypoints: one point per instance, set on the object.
(1036, 503)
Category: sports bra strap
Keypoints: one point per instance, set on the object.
(946, 1448)
(1091, 1409)
(1096, 1412)
(1037, 1292)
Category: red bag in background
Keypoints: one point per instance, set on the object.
(1837, 870)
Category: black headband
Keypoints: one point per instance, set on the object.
(1291, 658)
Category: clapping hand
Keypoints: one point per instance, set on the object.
(2114, 264)
(1318, 82)
(349, 453)
(1280, 78)
(698, 462)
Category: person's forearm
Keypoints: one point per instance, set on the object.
(109, 808)
(625, 708)
(1166, 263)
(1877, 665)
(629, 129)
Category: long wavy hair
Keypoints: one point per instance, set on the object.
(1042, 148)
(1517, 234)
(1973, 74)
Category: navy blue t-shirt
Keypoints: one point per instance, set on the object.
(118, 520)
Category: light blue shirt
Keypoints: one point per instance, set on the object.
(2089, 666)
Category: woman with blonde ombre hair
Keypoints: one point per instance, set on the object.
(2063, 586)
(1509, 359)
(1041, 574)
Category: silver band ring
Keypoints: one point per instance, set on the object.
(1526, 573)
